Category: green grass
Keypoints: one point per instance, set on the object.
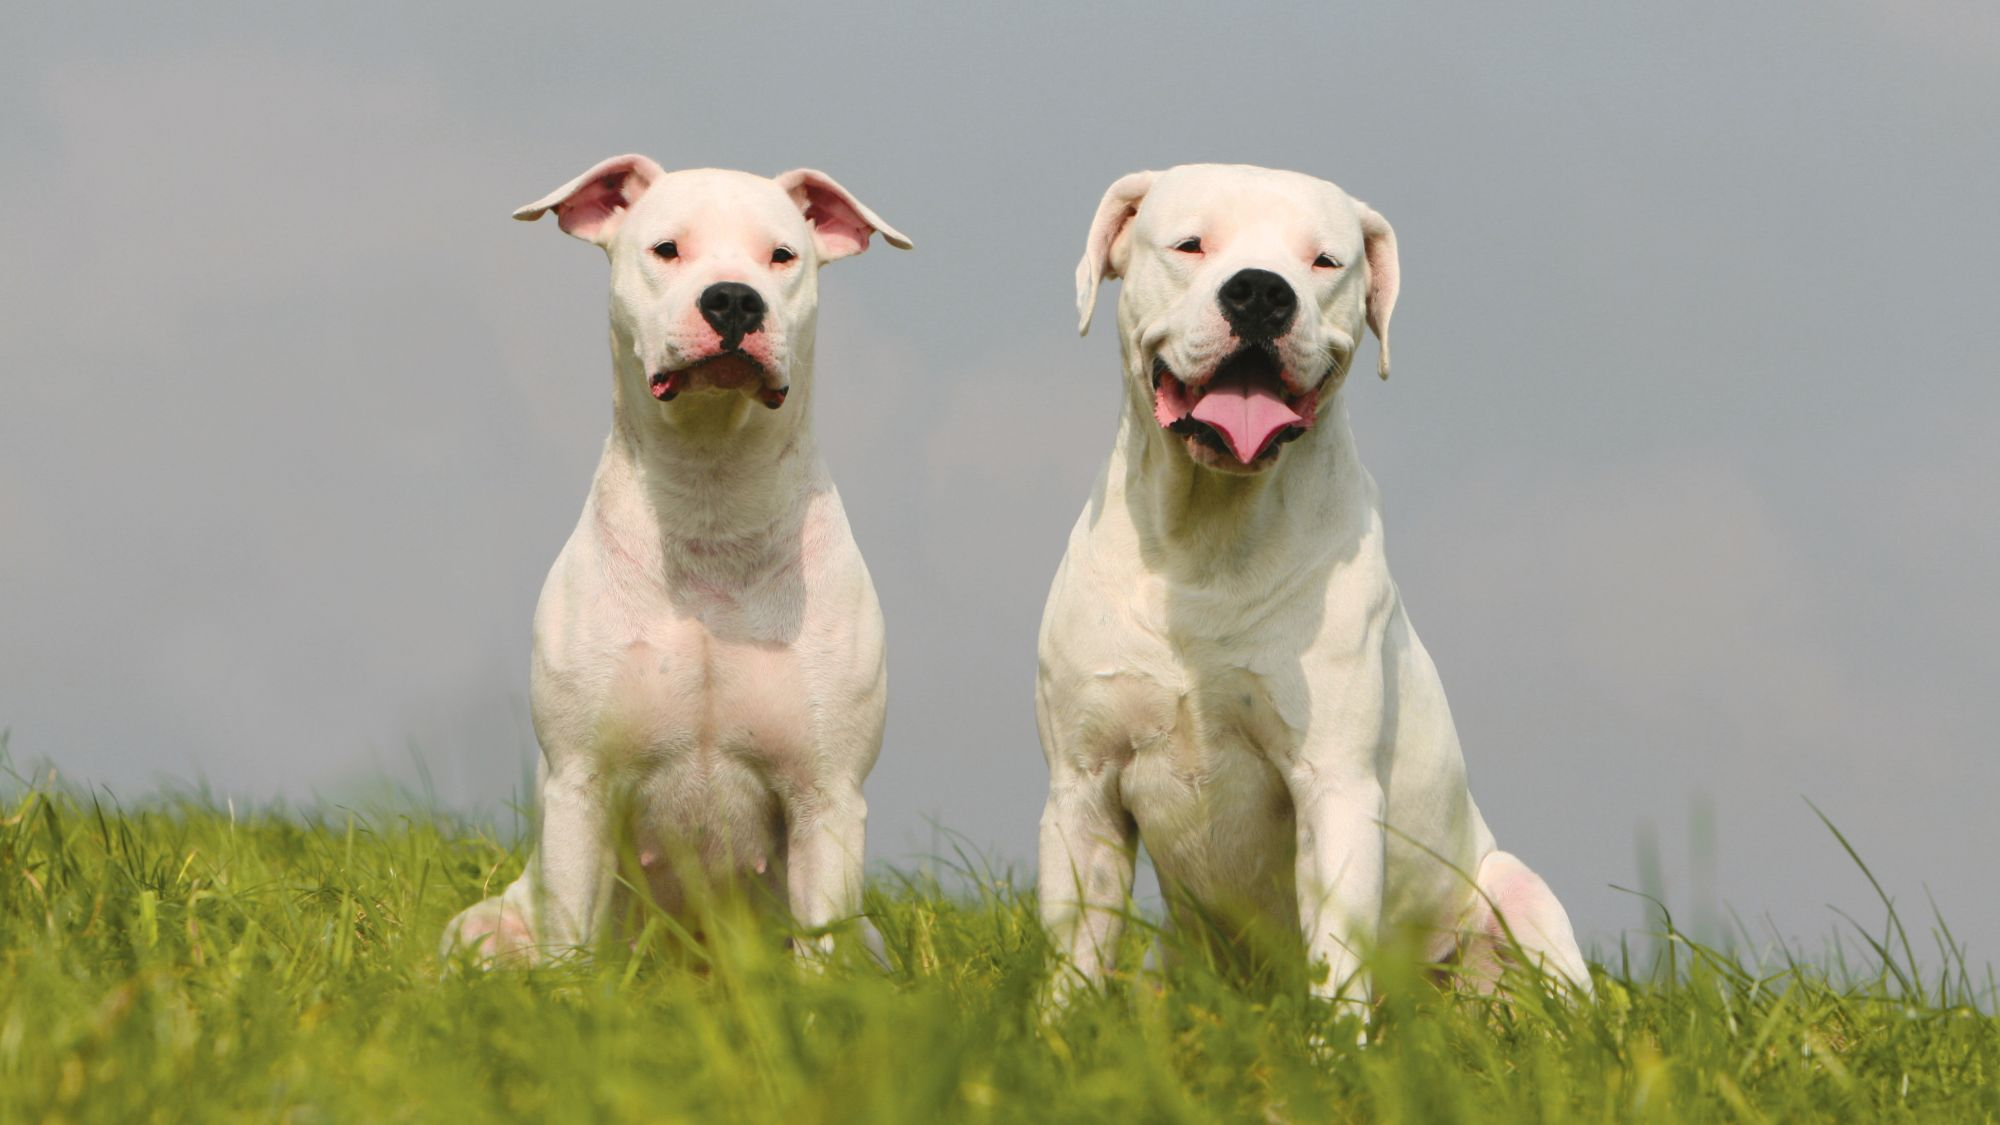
(177, 962)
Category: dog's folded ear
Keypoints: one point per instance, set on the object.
(1104, 252)
(841, 223)
(1384, 275)
(592, 205)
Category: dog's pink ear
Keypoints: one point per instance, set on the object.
(592, 205)
(1104, 252)
(841, 223)
(1378, 240)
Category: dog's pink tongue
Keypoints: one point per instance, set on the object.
(1245, 413)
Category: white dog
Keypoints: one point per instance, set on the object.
(1226, 670)
(708, 677)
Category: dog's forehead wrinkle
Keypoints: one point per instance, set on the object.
(718, 204)
(1225, 201)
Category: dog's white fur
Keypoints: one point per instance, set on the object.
(1226, 670)
(708, 677)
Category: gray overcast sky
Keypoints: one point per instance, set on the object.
(1689, 458)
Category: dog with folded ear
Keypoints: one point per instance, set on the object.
(708, 679)
(1227, 674)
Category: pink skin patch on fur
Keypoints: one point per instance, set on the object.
(1171, 400)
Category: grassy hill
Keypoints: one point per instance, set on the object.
(178, 961)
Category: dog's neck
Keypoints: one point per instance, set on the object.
(1218, 526)
(711, 486)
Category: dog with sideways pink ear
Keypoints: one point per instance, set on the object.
(708, 678)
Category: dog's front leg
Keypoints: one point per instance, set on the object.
(824, 853)
(1340, 871)
(575, 858)
(1088, 851)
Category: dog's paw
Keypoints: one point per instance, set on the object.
(872, 944)
(491, 934)
(1065, 988)
(1325, 1047)
(812, 952)
(1344, 1027)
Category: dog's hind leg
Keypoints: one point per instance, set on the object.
(1517, 916)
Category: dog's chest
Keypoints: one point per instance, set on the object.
(1187, 707)
(1201, 776)
(704, 678)
(1192, 698)
(670, 692)
(1198, 726)
(749, 651)
(1191, 716)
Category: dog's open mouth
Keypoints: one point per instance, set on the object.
(729, 371)
(1244, 410)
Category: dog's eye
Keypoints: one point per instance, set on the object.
(667, 250)
(1326, 262)
(782, 255)
(1188, 246)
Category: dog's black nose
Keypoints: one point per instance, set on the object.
(1258, 304)
(733, 309)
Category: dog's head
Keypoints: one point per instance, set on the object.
(714, 274)
(1245, 291)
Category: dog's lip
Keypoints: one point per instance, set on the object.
(1294, 389)
(1175, 402)
(733, 370)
